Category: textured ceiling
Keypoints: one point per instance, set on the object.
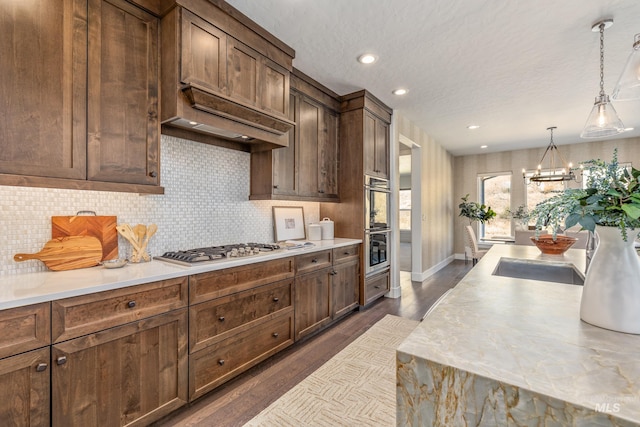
(513, 67)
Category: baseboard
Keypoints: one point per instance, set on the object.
(417, 277)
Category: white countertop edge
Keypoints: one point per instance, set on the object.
(25, 289)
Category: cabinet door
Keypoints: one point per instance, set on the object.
(24, 389)
(285, 173)
(130, 375)
(312, 301)
(43, 88)
(123, 126)
(203, 54)
(328, 154)
(274, 88)
(307, 126)
(243, 64)
(376, 146)
(345, 287)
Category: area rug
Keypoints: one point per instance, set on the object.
(356, 387)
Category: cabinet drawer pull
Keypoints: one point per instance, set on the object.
(346, 253)
(275, 334)
(221, 318)
(333, 273)
(61, 360)
(321, 191)
(221, 362)
(153, 174)
(377, 286)
(41, 367)
(276, 299)
(315, 260)
(131, 304)
(275, 186)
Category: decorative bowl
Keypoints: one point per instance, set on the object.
(548, 246)
(115, 263)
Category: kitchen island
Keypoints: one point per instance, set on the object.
(508, 351)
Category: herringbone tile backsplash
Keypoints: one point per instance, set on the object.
(206, 202)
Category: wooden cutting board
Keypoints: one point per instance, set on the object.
(67, 253)
(101, 227)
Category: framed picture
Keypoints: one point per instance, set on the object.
(288, 223)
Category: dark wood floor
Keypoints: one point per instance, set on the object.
(242, 398)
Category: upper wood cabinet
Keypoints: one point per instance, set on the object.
(123, 126)
(81, 81)
(308, 168)
(376, 146)
(221, 77)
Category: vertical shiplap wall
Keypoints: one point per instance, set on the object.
(437, 194)
(467, 169)
(206, 202)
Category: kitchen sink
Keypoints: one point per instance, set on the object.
(535, 270)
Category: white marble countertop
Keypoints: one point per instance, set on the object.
(528, 334)
(24, 289)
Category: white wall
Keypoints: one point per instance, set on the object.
(205, 203)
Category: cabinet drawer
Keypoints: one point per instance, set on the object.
(207, 286)
(73, 317)
(215, 320)
(376, 286)
(345, 254)
(313, 261)
(218, 363)
(24, 329)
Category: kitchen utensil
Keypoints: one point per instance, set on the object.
(87, 223)
(139, 237)
(115, 263)
(327, 229)
(150, 231)
(315, 232)
(67, 253)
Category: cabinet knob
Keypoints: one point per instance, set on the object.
(345, 253)
(276, 299)
(377, 286)
(221, 362)
(153, 174)
(321, 191)
(275, 186)
(333, 273)
(315, 260)
(61, 360)
(41, 367)
(131, 304)
(221, 318)
(275, 334)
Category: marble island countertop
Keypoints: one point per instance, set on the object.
(24, 289)
(505, 351)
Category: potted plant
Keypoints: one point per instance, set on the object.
(609, 205)
(475, 211)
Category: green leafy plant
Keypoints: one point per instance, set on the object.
(521, 215)
(475, 211)
(611, 198)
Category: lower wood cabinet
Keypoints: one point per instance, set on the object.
(129, 375)
(376, 286)
(346, 284)
(25, 388)
(313, 301)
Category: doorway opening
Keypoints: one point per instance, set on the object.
(410, 207)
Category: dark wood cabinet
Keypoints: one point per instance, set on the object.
(308, 168)
(326, 288)
(364, 150)
(24, 365)
(129, 375)
(376, 286)
(82, 80)
(123, 128)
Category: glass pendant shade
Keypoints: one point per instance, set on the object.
(603, 120)
(628, 86)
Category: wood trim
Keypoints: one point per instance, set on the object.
(76, 184)
(306, 85)
(364, 99)
(25, 328)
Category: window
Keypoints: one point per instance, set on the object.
(405, 210)
(495, 192)
(536, 192)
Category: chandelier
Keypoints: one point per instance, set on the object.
(558, 170)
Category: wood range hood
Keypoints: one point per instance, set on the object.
(225, 80)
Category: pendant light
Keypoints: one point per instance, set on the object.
(603, 120)
(628, 86)
(558, 169)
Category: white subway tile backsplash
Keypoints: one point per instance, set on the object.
(206, 202)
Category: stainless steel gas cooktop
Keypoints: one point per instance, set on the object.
(216, 253)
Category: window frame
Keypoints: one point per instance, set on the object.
(481, 179)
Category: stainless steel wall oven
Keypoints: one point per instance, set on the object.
(377, 226)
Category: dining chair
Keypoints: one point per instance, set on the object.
(472, 243)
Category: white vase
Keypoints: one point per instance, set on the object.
(611, 294)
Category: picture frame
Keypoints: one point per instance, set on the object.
(288, 223)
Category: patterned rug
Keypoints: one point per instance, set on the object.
(356, 387)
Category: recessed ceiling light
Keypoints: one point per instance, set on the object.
(628, 129)
(483, 146)
(367, 58)
(472, 127)
(400, 92)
